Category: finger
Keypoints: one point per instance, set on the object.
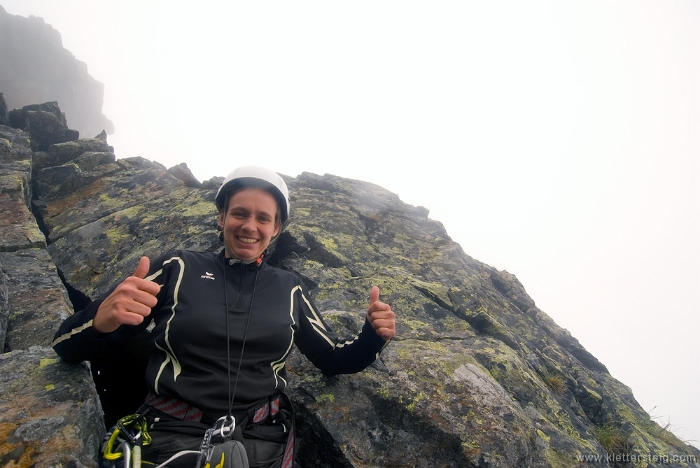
(130, 318)
(383, 323)
(384, 313)
(142, 268)
(386, 332)
(132, 285)
(382, 318)
(130, 299)
(145, 297)
(373, 295)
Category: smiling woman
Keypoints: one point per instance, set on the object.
(232, 333)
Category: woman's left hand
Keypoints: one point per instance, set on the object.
(381, 316)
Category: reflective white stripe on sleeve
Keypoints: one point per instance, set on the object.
(74, 331)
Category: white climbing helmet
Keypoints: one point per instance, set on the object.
(255, 177)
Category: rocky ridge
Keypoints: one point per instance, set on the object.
(478, 376)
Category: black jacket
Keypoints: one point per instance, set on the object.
(189, 360)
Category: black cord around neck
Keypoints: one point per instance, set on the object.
(232, 395)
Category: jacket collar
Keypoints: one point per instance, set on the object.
(236, 261)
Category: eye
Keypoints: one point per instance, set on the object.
(238, 214)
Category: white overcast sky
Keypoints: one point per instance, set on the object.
(559, 141)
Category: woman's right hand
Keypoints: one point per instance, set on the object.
(129, 303)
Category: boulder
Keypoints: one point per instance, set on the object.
(49, 411)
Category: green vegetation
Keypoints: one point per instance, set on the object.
(663, 432)
(613, 439)
(555, 382)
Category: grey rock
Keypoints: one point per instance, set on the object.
(49, 412)
(36, 298)
(477, 376)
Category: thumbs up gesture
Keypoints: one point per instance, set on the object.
(130, 301)
(381, 316)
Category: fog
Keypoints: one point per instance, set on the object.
(559, 141)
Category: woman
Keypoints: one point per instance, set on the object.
(224, 325)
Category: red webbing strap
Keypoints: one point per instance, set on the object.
(270, 408)
(288, 459)
(174, 407)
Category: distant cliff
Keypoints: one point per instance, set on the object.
(36, 68)
(478, 376)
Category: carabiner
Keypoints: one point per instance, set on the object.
(226, 427)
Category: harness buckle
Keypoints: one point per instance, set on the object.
(223, 428)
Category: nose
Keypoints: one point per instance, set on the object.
(249, 224)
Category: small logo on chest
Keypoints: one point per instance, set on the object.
(207, 275)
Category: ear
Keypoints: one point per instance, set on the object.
(221, 219)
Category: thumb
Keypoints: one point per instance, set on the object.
(374, 295)
(142, 269)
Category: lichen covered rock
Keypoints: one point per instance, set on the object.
(49, 412)
(477, 376)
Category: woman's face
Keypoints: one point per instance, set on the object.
(249, 223)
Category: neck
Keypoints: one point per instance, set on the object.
(257, 261)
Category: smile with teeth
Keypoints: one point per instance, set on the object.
(247, 240)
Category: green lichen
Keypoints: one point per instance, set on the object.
(116, 235)
(421, 396)
(109, 203)
(332, 247)
(432, 290)
(436, 356)
(325, 398)
(414, 324)
(384, 392)
(593, 394)
(300, 213)
(201, 208)
(558, 459)
(47, 362)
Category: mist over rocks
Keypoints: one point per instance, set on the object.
(478, 376)
(35, 67)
